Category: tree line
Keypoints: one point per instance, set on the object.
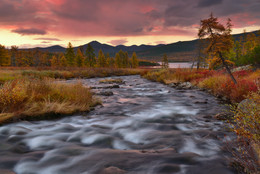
(35, 57)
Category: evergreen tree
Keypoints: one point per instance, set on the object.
(117, 61)
(54, 61)
(70, 55)
(101, 61)
(5, 59)
(63, 60)
(14, 55)
(134, 60)
(79, 58)
(90, 59)
(165, 63)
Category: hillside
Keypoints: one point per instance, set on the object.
(179, 51)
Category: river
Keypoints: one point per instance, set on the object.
(144, 128)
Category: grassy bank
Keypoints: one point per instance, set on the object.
(12, 73)
(246, 118)
(216, 82)
(37, 99)
(32, 94)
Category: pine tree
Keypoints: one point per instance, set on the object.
(90, 59)
(14, 55)
(117, 61)
(79, 58)
(63, 60)
(165, 63)
(219, 37)
(54, 61)
(101, 62)
(5, 59)
(134, 60)
(70, 55)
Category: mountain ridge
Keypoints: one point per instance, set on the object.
(177, 51)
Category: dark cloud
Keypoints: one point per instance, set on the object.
(48, 39)
(45, 42)
(121, 18)
(208, 3)
(118, 42)
(29, 31)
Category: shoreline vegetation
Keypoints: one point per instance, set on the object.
(34, 94)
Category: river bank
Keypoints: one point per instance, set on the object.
(143, 127)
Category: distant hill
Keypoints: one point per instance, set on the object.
(179, 51)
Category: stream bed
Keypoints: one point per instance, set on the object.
(143, 128)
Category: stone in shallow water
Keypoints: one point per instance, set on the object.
(112, 170)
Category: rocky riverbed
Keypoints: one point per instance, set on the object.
(142, 128)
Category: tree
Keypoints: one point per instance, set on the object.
(79, 58)
(70, 55)
(14, 55)
(90, 60)
(118, 61)
(134, 60)
(219, 37)
(54, 61)
(63, 60)
(5, 59)
(165, 63)
(101, 61)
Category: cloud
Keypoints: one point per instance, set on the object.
(118, 42)
(160, 42)
(207, 3)
(49, 39)
(29, 31)
(120, 18)
(45, 42)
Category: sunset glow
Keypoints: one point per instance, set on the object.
(43, 23)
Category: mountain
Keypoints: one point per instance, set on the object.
(179, 51)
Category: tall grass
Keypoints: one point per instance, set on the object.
(217, 82)
(36, 98)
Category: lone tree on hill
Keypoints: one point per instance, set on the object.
(219, 37)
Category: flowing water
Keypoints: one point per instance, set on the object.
(144, 128)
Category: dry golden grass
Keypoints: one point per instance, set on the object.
(111, 81)
(36, 98)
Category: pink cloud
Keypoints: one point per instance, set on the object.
(121, 18)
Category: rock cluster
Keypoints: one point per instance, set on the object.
(181, 85)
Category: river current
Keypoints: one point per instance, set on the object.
(143, 128)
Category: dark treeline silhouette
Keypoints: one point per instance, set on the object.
(36, 58)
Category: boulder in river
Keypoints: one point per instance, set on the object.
(106, 93)
(112, 170)
(181, 85)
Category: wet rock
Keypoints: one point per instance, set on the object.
(181, 85)
(112, 81)
(201, 102)
(246, 105)
(246, 67)
(112, 170)
(166, 168)
(105, 87)
(106, 93)
(223, 116)
(6, 171)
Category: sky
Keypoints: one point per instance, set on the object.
(31, 23)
